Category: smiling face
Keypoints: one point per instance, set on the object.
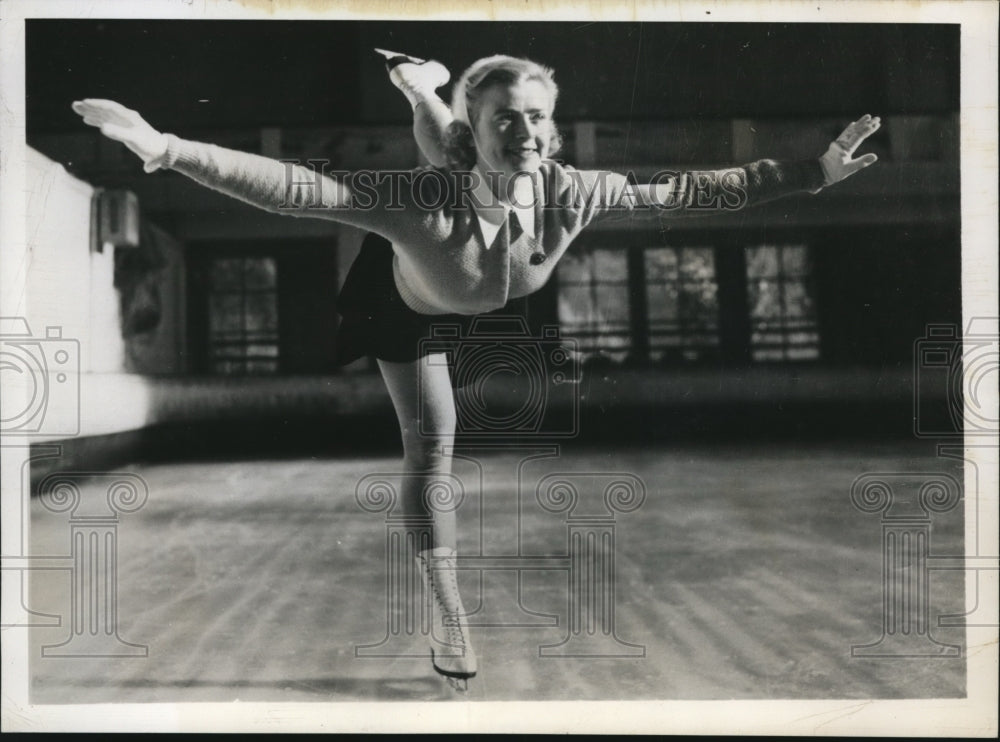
(513, 127)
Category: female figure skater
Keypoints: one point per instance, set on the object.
(485, 224)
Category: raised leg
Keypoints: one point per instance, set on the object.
(418, 80)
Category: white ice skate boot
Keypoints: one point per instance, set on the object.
(417, 78)
(451, 650)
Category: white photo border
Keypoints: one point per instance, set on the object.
(974, 716)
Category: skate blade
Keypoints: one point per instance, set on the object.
(459, 684)
(393, 55)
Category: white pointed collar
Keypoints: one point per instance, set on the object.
(492, 212)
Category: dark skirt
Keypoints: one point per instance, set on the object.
(376, 322)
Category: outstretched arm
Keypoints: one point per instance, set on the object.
(268, 184)
(126, 126)
(761, 181)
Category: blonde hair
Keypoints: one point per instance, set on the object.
(459, 145)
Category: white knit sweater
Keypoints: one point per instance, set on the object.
(442, 263)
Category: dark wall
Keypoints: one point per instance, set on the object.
(232, 74)
(879, 288)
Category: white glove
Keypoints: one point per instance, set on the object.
(837, 163)
(126, 126)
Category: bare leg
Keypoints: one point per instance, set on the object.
(431, 117)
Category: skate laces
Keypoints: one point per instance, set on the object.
(448, 599)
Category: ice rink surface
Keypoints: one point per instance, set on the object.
(746, 573)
